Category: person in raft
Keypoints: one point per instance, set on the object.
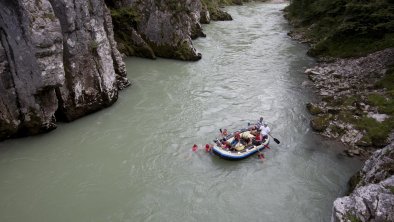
(257, 125)
(235, 143)
(265, 131)
(258, 139)
(224, 133)
(247, 137)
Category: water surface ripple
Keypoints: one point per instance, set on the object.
(133, 161)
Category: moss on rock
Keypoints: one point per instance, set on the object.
(314, 109)
(320, 123)
(125, 20)
(354, 181)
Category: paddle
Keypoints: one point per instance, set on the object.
(276, 140)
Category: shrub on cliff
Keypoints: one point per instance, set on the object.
(345, 28)
(124, 19)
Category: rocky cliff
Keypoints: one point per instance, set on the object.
(373, 196)
(58, 60)
(151, 28)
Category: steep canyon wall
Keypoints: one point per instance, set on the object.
(58, 60)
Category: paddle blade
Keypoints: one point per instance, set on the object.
(276, 141)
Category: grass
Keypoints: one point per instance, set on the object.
(377, 132)
(385, 104)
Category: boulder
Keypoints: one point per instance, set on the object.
(314, 109)
(372, 194)
(320, 123)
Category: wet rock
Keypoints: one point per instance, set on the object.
(314, 109)
(220, 15)
(205, 17)
(353, 152)
(372, 197)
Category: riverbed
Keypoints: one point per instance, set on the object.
(133, 161)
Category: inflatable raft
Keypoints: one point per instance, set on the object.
(235, 154)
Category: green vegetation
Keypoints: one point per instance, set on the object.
(320, 123)
(313, 109)
(387, 82)
(124, 20)
(354, 181)
(377, 132)
(93, 46)
(352, 218)
(344, 28)
(391, 188)
(383, 103)
(49, 16)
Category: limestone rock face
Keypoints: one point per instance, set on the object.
(56, 57)
(374, 202)
(373, 197)
(165, 27)
(90, 58)
(31, 67)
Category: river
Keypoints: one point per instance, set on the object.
(133, 161)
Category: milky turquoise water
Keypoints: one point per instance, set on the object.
(133, 161)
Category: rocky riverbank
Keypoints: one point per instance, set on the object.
(356, 94)
(356, 105)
